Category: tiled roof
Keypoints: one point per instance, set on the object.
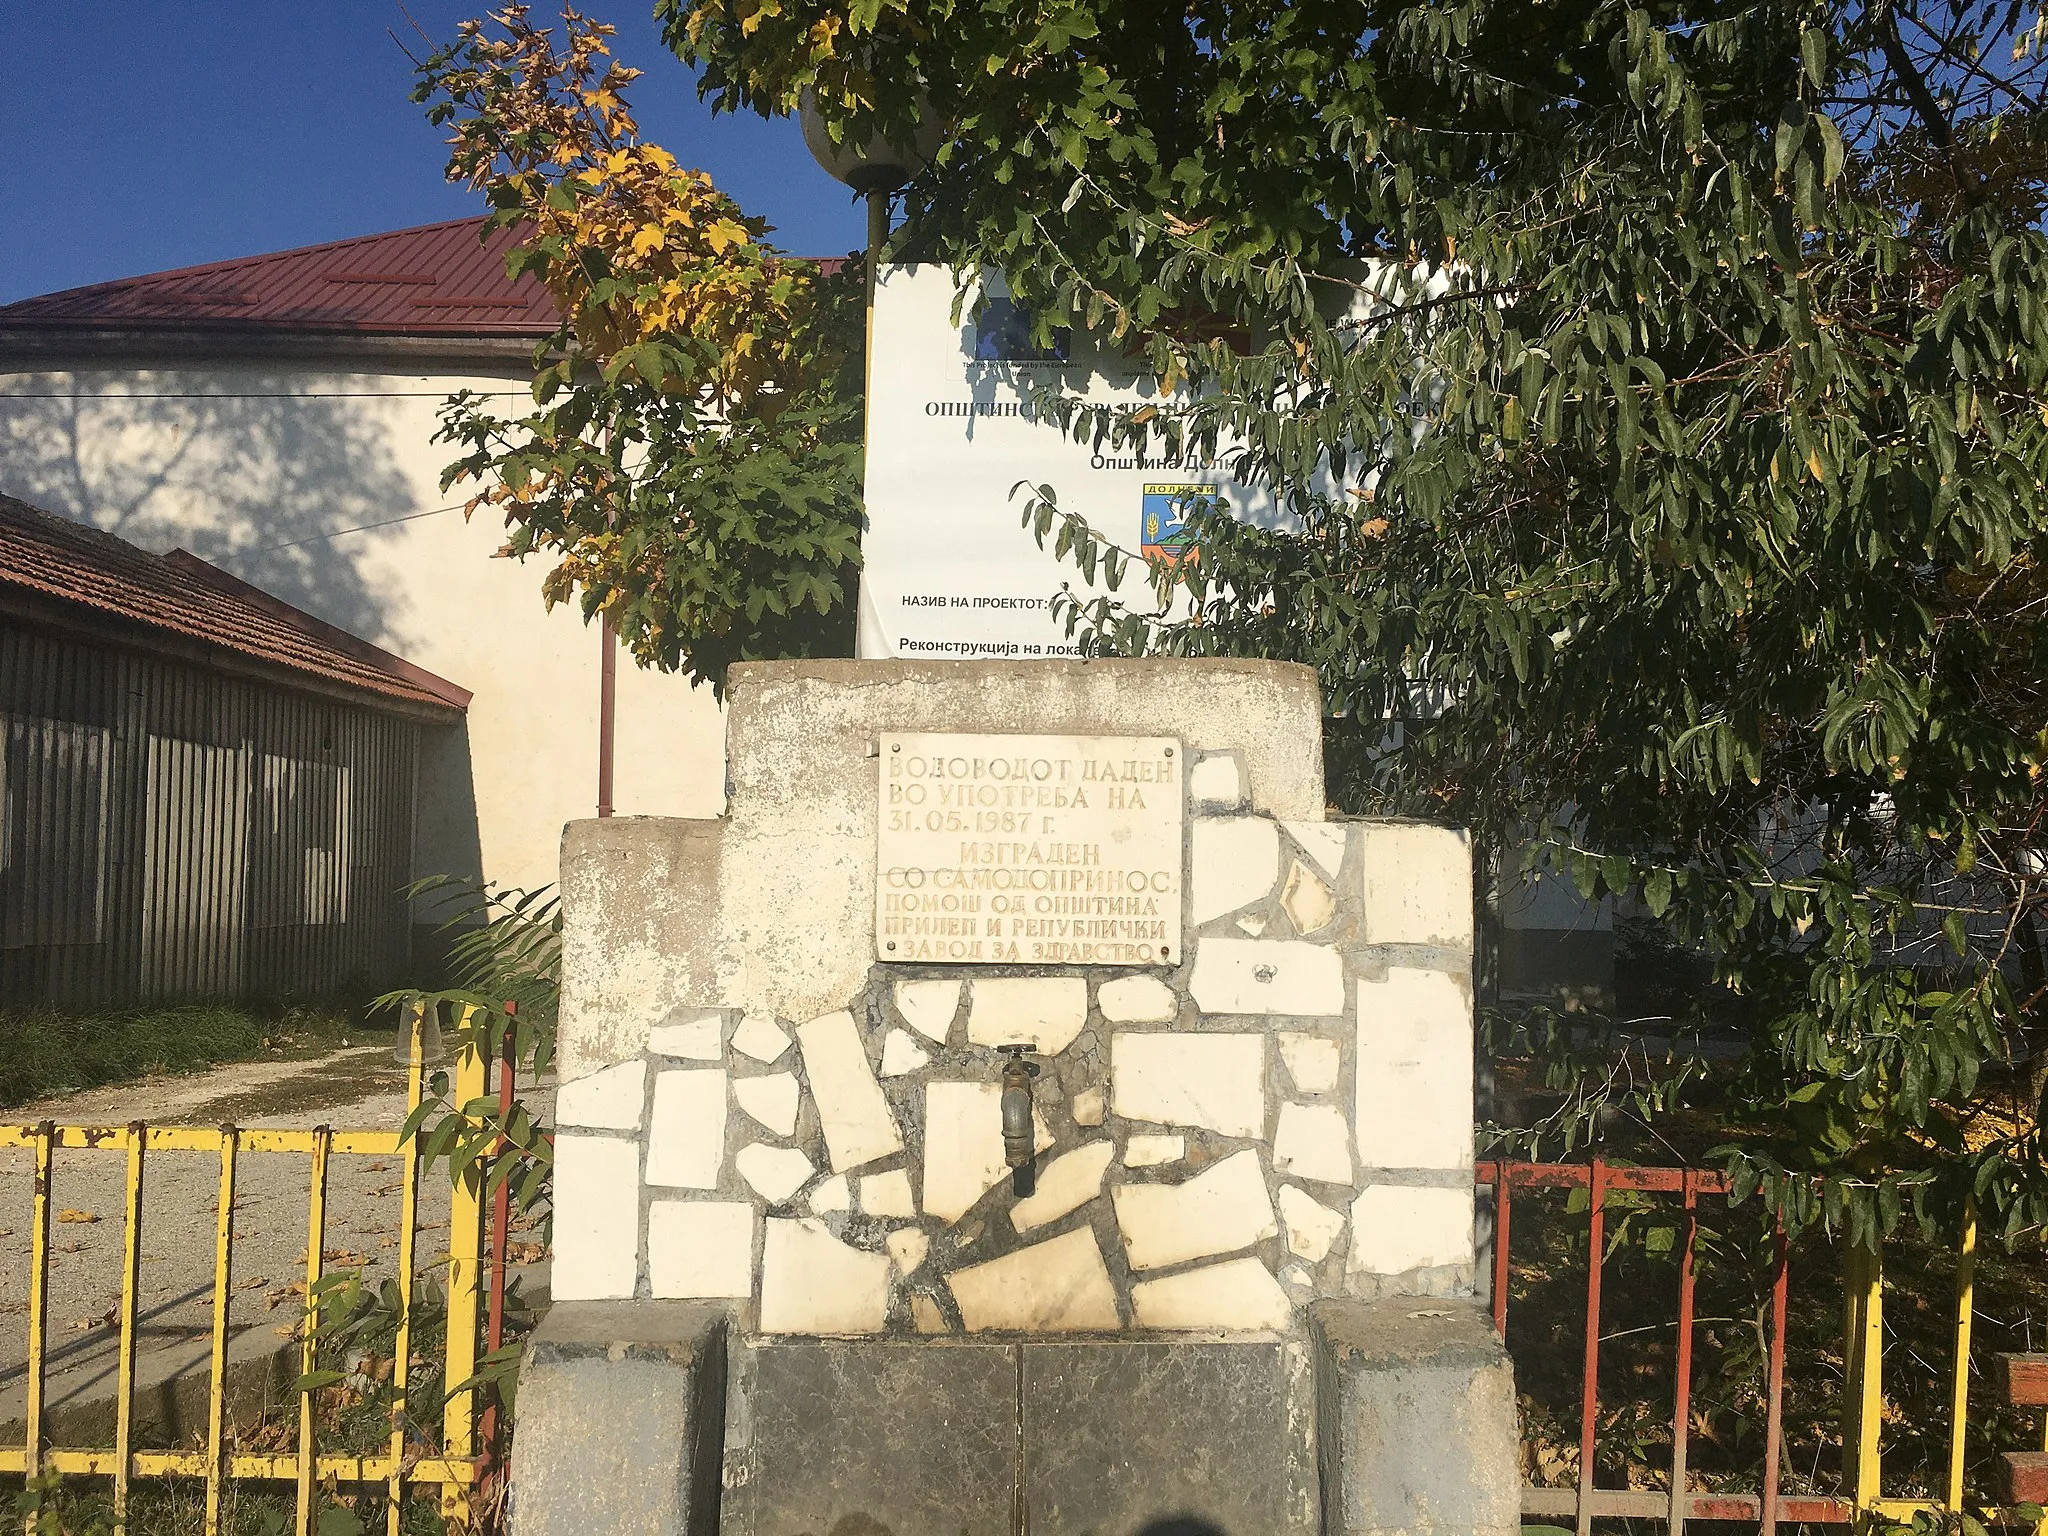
(436, 280)
(183, 596)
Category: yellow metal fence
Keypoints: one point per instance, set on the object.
(453, 1472)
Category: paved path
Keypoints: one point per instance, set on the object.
(360, 1088)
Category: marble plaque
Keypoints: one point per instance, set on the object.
(1034, 850)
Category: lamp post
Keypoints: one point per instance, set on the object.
(874, 169)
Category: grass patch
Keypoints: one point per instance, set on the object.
(45, 1052)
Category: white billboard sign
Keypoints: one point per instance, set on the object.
(949, 571)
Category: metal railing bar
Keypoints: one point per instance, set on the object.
(309, 1342)
(131, 1282)
(223, 1273)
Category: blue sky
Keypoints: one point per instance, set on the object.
(142, 136)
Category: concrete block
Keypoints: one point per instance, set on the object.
(1398, 1384)
(1127, 1438)
(917, 1438)
(621, 1421)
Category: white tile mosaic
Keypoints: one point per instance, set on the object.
(1057, 1286)
(1221, 1209)
(1309, 904)
(811, 1283)
(833, 1194)
(886, 1194)
(686, 1136)
(773, 1173)
(851, 1109)
(1217, 1082)
(902, 1055)
(1413, 1073)
(1149, 1150)
(698, 1037)
(1395, 1229)
(606, 1100)
(1239, 1294)
(760, 1037)
(1322, 841)
(907, 1249)
(700, 1248)
(1216, 783)
(597, 1217)
(963, 1145)
(1066, 1183)
(771, 1101)
(1313, 1142)
(1137, 1000)
(1044, 1011)
(1312, 1061)
(1267, 976)
(928, 1007)
(1233, 862)
(1417, 884)
(1312, 1227)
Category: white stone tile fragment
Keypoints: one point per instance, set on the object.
(1066, 1183)
(686, 1136)
(597, 1217)
(1232, 862)
(833, 1194)
(1216, 782)
(773, 1173)
(1217, 1082)
(812, 1283)
(1312, 1227)
(963, 1145)
(770, 1100)
(1322, 841)
(1396, 1228)
(901, 1054)
(1417, 884)
(855, 1117)
(1312, 1061)
(1413, 1071)
(1044, 1011)
(1089, 1107)
(928, 1007)
(925, 1314)
(610, 1099)
(760, 1037)
(1298, 1276)
(1239, 1295)
(1254, 924)
(1221, 1209)
(908, 1247)
(1267, 976)
(1137, 1000)
(691, 1034)
(1149, 1150)
(886, 1194)
(1309, 904)
(1056, 1286)
(700, 1248)
(1313, 1142)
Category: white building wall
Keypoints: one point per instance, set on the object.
(322, 486)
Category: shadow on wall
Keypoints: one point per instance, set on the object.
(252, 477)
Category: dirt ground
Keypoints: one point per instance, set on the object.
(359, 1088)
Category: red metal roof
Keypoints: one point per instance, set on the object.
(179, 594)
(436, 280)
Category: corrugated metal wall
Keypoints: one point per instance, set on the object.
(167, 832)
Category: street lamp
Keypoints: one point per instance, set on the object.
(874, 169)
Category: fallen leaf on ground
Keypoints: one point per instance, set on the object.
(525, 1253)
(81, 1217)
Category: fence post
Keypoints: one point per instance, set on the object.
(1959, 1402)
(465, 1240)
(1863, 1398)
(408, 1226)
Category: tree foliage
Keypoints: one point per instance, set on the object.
(692, 464)
(1659, 394)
